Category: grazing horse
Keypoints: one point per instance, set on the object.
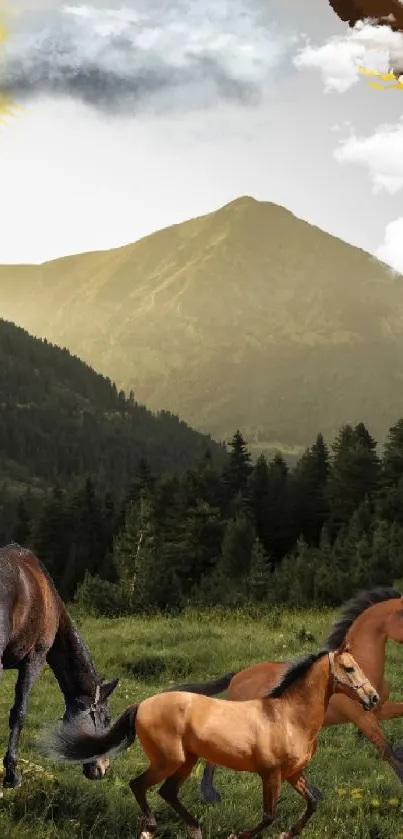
(273, 737)
(34, 629)
(366, 622)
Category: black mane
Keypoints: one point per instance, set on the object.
(353, 609)
(295, 671)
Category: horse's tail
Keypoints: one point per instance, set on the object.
(206, 688)
(72, 744)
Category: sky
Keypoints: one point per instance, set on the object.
(139, 114)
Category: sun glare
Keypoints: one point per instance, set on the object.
(8, 108)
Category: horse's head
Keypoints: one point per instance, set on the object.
(93, 715)
(348, 678)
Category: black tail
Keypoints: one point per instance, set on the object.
(206, 688)
(71, 744)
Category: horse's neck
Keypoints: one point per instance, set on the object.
(308, 699)
(367, 640)
(71, 662)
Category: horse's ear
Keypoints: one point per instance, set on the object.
(108, 688)
(345, 647)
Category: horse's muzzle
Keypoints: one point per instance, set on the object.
(371, 702)
(96, 771)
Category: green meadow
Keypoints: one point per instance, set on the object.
(363, 797)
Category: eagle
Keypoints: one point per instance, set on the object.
(388, 12)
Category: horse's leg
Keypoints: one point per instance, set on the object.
(392, 711)
(169, 792)
(311, 795)
(139, 786)
(369, 726)
(271, 783)
(28, 672)
(209, 794)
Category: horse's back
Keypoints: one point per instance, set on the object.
(29, 605)
(255, 681)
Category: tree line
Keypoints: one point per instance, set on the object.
(231, 534)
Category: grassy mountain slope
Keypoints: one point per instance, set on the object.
(245, 317)
(59, 420)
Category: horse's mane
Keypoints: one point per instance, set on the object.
(294, 672)
(353, 609)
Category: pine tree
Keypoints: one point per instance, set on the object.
(281, 534)
(22, 528)
(237, 547)
(393, 455)
(52, 534)
(125, 550)
(238, 467)
(259, 573)
(354, 475)
(309, 491)
(259, 499)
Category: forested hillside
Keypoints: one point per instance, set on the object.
(59, 420)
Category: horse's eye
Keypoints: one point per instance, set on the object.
(349, 669)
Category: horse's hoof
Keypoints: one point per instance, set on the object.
(285, 835)
(232, 836)
(316, 792)
(11, 782)
(146, 835)
(398, 753)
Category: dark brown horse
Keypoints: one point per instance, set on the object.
(34, 629)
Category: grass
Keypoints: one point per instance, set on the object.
(363, 798)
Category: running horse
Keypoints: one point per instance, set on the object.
(273, 737)
(366, 622)
(34, 629)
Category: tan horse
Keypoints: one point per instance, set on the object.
(274, 737)
(367, 622)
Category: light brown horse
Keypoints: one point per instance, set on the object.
(274, 737)
(366, 622)
(35, 629)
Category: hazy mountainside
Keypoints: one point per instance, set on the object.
(59, 420)
(247, 317)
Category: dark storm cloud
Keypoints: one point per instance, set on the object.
(144, 55)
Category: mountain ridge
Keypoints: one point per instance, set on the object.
(245, 317)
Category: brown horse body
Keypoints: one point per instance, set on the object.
(388, 12)
(367, 622)
(34, 629)
(273, 737)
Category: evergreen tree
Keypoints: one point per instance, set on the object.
(22, 529)
(259, 573)
(237, 547)
(309, 489)
(259, 500)
(52, 535)
(281, 534)
(238, 468)
(354, 474)
(393, 455)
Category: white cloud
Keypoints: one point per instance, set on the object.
(168, 55)
(391, 250)
(372, 47)
(381, 153)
